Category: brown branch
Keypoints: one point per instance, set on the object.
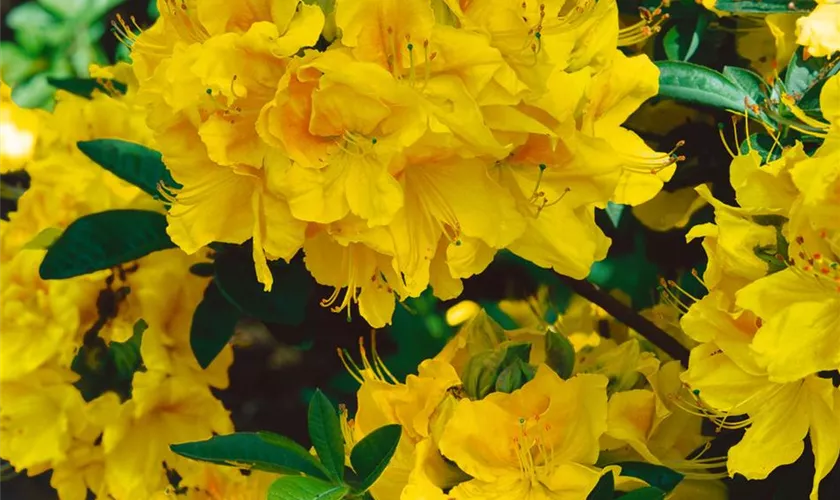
(629, 317)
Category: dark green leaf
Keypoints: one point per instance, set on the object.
(213, 324)
(305, 488)
(261, 451)
(284, 304)
(659, 476)
(750, 82)
(700, 85)
(559, 354)
(133, 163)
(325, 433)
(604, 490)
(647, 493)
(802, 74)
(514, 376)
(108, 367)
(683, 39)
(84, 87)
(765, 6)
(371, 455)
(484, 368)
(104, 240)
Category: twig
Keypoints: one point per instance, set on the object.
(630, 318)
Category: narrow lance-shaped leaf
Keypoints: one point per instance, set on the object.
(133, 163)
(700, 85)
(305, 488)
(261, 451)
(765, 6)
(371, 455)
(325, 432)
(104, 240)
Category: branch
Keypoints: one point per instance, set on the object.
(629, 317)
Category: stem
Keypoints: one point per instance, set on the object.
(629, 317)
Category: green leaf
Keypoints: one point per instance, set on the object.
(261, 451)
(749, 81)
(559, 354)
(371, 455)
(661, 477)
(683, 39)
(604, 489)
(514, 376)
(483, 369)
(801, 74)
(84, 87)
(325, 433)
(133, 163)
(213, 325)
(647, 493)
(700, 85)
(284, 304)
(35, 27)
(305, 488)
(765, 6)
(108, 367)
(104, 240)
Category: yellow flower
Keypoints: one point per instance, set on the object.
(669, 209)
(819, 31)
(204, 120)
(215, 482)
(727, 381)
(537, 442)
(38, 419)
(19, 130)
(413, 405)
(163, 410)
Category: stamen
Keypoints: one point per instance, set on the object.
(378, 361)
(650, 24)
(354, 371)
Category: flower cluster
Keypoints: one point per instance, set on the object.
(768, 327)
(495, 415)
(96, 372)
(398, 143)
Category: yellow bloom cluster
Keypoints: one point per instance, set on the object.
(112, 445)
(768, 326)
(420, 138)
(549, 438)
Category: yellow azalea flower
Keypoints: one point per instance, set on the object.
(612, 96)
(819, 31)
(730, 245)
(537, 442)
(215, 482)
(726, 381)
(383, 401)
(625, 365)
(800, 313)
(559, 187)
(653, 426)
(770, 187)
(54, 309)
(19, 131)
(669, 210)
(204, 120)
(163, 410)
(38, 419)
